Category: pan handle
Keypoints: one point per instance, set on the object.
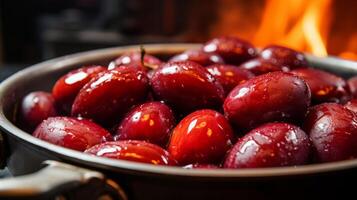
(61, 181)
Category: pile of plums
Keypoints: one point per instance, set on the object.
(225, 105)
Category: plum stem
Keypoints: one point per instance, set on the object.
(142, 56)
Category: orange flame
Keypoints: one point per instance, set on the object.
(297, 24)
(352, 45)
(311, 23)
(305, 25)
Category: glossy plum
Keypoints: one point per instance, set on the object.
(270, 145)
(67, 87)
(233, 50)
(186, 86)
(73, 133)
(325, 87)
(260, 66)
(201, 137)
(150, 121)
(276, 96)
(111, 94)
(237, 107)
(36, 107)
(198, 56)
(229, 75)
(284, 57)
(133, 150)
(333, 132)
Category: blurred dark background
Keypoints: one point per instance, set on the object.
(33, 31)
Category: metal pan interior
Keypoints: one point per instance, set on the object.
(42, 76)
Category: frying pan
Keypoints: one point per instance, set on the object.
(43, 170)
